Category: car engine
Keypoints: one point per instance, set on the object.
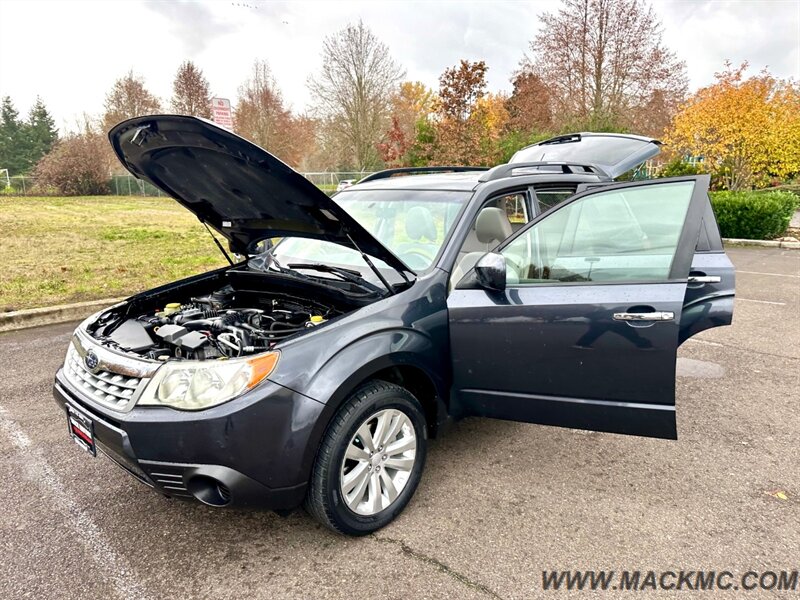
(211, 327)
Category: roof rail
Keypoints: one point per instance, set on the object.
(507, 170)
(386, 173)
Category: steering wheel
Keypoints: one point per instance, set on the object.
(416, 259)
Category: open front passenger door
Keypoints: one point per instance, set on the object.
(585, 331)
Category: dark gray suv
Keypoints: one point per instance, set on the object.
(347, 331)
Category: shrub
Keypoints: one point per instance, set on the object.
(753, 215)
(78, 165)
(793, 188)
(677, 168)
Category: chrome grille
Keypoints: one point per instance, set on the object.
(113, 390)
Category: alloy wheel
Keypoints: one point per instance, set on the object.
(378, 462)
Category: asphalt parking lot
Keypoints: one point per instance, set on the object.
(499, 502)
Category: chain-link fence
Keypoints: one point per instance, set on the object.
(128, 185)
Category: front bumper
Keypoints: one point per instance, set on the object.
(255, 451)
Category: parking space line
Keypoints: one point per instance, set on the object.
(762, 301)
(773, 274)
(37, 470)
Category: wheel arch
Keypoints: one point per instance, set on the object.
(403, 369)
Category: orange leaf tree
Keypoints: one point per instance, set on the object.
(458, 131)
(747, 130)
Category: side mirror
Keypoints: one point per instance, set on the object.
(490, 271)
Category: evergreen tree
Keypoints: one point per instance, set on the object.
(14, 143)
(42, 133)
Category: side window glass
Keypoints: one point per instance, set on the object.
(629, 234)
(548, 198)
(515, 208)
(512, 215)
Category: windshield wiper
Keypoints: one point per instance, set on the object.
(350, 275)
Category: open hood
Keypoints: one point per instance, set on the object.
(612, 153)
(241, 190)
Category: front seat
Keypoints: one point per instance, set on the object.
(491, 227)
(421, 229)
(420, 224)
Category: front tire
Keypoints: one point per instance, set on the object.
(370, 460)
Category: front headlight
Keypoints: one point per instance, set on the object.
(195, 385)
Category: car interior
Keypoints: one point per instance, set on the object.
(491, 227)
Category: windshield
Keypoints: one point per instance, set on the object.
(413, 224)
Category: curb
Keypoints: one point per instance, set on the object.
(50, 315)
(763, 243)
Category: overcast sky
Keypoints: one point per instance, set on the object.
(70, 53)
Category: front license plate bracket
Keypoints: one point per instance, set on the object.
(81, 430)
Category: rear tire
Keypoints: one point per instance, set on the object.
(370, 460)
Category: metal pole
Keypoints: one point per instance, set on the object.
(24, 193)
(129, 186)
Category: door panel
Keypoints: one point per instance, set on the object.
(548, 349)
(558, 357)
(709, 294)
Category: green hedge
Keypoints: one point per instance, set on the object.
(753, 215)
(794, 188)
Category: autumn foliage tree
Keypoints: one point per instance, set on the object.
(458, 134)
(606, 66)
(261, 117)
(529, 105)
(746, 129)
(190, 92)
(395, 145)
(128, 98)
(491, 118)
(405, 142)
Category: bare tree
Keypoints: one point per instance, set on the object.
(190, 92)
(604, 61)
(262, 117)
(354, 89)
(128, 98)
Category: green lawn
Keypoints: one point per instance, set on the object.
(58, 250)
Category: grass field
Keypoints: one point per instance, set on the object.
(58, 250)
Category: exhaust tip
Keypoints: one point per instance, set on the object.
(209, 491)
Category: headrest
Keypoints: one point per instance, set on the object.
(420, 224)
(492, 225)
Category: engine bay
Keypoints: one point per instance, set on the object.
(223, 324)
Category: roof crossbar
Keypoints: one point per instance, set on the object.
(507, 170)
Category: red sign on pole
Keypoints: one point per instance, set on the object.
(221, 112)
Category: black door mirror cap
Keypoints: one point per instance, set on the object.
(490, 271)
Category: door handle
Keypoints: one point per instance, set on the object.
(704, 279)
(644, 316)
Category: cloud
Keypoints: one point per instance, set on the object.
(193, 23)
(72, 56)
(766, 33)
